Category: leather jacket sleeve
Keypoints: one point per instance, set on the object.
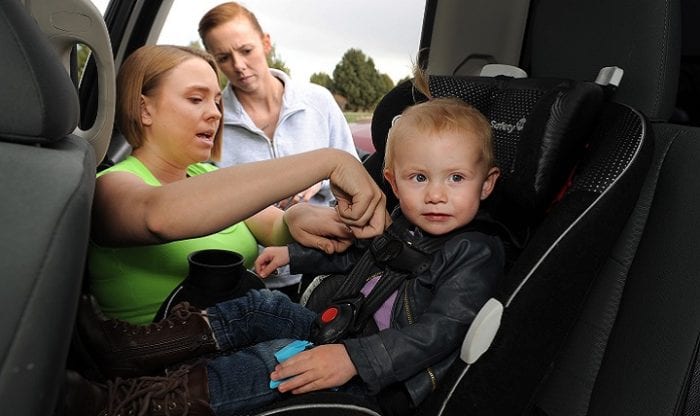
(312, 261)
(432, 315)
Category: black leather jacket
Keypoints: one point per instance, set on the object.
(431, 314)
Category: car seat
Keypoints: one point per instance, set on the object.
(584, 377)
(47, 186)
(564, 247)
(569, 142)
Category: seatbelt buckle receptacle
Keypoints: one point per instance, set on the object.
(336, 321)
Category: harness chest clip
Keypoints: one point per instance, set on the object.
(337, 321)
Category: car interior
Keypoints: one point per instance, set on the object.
(594, 107)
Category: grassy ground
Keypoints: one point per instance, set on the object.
(357, 117)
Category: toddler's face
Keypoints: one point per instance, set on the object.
(440, 180)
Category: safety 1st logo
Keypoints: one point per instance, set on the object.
(508, 127)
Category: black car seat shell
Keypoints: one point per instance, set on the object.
(47, 187)
(546, 288)
(561, 124)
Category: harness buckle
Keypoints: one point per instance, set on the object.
(336, 321)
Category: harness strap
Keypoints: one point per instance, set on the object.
(391, 250)
(397, 258)
(389, 282)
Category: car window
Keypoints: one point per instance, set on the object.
(310, 38)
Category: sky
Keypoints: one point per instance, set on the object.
(312, 35)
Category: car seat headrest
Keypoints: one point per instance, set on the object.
(39, 102)
(539, 130)
(540, 127)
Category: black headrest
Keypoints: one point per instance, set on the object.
(38, 102)
(540, 128)
(573, 39)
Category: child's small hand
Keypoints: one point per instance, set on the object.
(323, 367)
(270, 259)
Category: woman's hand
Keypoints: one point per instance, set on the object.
(361, 204)
(319, 368)
(318, 227)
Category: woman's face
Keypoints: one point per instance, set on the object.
(241, 53)
(181, 116)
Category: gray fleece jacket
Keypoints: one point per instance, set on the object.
(309, 119)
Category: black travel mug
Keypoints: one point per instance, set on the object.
(214, 276)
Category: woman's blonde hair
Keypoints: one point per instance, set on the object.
(223, 13)
(141, 74)
(439, 115)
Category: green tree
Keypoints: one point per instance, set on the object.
(387, 82)
(357, 79)
(83, 53)
(196, 44)
(322, 79)
(275, 61)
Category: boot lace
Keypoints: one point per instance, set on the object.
(168, 395)
(180, 313)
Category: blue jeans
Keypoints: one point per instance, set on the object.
(261, 322)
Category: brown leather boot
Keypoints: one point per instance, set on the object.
(181, 392)
(121, 349)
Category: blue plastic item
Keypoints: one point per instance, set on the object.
(286, 352)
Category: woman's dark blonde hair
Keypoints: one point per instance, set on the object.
(439, 115)
(223, 13)
(141, 74)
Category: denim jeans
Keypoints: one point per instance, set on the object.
(255, 326)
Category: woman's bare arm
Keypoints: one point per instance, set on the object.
(127, 211)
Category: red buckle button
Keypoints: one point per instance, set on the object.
(329, 314)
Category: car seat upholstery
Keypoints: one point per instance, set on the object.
(634, 352)
(687, 104)
(573, 39)
(47, 186)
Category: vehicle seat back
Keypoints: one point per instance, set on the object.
(572, 39)
(650, 358)
(635, 350)
(687, 110)
(47, 187)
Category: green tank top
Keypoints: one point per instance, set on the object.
(130, 283)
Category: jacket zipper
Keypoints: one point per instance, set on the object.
(409, 317)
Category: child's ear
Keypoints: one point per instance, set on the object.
(489, 182)
(389, 176)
